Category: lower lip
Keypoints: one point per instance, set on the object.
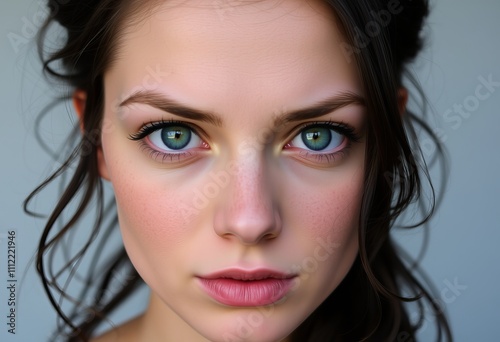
(246, 293)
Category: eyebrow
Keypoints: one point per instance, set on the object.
(323, 107)
(166, 104)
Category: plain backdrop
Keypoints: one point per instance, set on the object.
(463, 50)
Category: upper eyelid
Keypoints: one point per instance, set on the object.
(150, 127)
(153, 126)
(329, 123)
(338, 127)
(168, 105)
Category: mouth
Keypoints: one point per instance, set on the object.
(242, 288)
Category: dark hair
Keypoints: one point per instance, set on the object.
(382, 36)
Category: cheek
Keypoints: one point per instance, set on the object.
(331, 218)
(323, 214)
(324, 211)
(154, 230)
(145, 211)
(327, 204)
(147, 201)
(333, 211)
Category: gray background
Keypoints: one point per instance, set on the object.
(463, 45)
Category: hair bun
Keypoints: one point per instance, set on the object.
(72, 14)
(406, 27)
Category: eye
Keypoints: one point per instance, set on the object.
(174, 137)
(322, 142)
(170, 141)
(318, 138)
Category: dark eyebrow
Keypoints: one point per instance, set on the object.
(322, 108)
(168, 105)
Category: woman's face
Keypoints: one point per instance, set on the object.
(233, 136)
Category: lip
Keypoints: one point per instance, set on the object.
(244, 288)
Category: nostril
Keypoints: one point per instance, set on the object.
(246, 226)
(270, 236)
(248, 211)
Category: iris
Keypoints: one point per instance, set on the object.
(316, 138)
(176, 137)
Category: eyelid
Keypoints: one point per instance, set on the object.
(340, 127)
(171, 157)
(324, 158)
(147, 129)
(153, 126)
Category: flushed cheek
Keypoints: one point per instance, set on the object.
(332, 225)
(148, 209)
(329, 211)
(147, 194)
(326, 220)
(147, 213)
(159, 240)
(325, 204)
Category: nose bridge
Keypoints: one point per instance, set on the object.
(250, 190)
(248, 210)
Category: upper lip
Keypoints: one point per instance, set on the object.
(241, 274)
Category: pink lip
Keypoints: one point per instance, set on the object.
(236, 287)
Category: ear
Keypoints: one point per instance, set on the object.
(79, 99)
(402, 100)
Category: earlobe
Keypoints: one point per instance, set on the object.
(79, 99)
(101, 162)
(402, 100)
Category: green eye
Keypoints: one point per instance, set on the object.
(320, 138)
(175, 137)
(170, 141)
(317, 138)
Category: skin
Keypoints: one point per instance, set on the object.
(278, 207)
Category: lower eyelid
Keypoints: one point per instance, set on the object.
(164, 157)
(345, 143)
(326, 158)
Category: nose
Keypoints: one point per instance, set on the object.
(248, 211)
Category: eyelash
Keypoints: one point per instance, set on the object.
(339, 127)
(151, 127)
(154, 126)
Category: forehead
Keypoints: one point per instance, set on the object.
(207, 52)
